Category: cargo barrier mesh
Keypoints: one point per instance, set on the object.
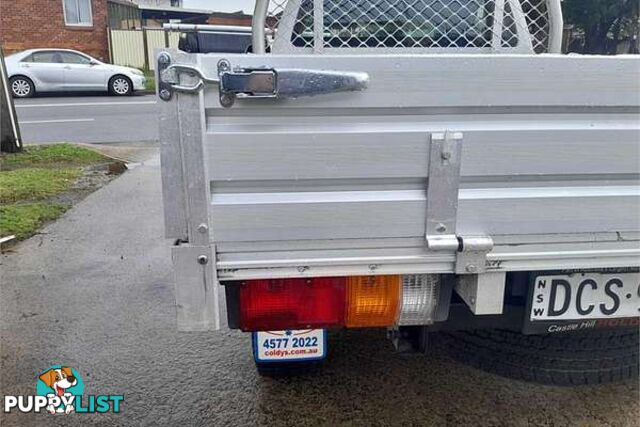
(451, 25)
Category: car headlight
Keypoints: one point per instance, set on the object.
(137, 72)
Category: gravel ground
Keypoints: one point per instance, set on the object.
(95, 292)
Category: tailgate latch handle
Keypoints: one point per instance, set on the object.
(286, 83)
(252, 83)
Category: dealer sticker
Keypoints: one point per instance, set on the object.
(290, 345)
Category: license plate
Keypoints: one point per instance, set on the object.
(290, 345)
(585, 296)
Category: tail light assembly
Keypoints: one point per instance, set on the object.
(276, 304)
(332, 302)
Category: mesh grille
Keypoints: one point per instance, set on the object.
(296, 19)
(537, 15)
(449, 25)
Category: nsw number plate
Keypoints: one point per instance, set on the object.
(585, 296)
(290, 346)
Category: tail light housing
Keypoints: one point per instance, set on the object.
(354, 302)
(276, 304)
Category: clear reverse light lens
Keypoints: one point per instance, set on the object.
(420, 294)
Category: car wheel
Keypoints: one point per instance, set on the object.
(120, 86)
(21, 87)
(589, 357)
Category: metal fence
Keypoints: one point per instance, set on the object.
(134, 48)
(521, 26)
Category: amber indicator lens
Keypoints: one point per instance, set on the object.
(372, 301)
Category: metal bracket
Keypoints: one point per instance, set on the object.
(483, 293)
(471, 257)
(443, 185)
(164, 85)
(442, 189)
(169, 77)
(197, 299)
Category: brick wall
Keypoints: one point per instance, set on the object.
(27, 24)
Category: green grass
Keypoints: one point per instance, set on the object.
(49, 156)
(150, 82)
(24, 219)
(30, 180)
(35, 184)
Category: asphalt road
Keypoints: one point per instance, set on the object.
(89, 118)
(95, 292)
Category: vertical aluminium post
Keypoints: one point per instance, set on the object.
(258, 24)
(187, 199)
(10, 139)
(556, 26)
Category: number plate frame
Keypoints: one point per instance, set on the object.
(547, 326)
(284, 351)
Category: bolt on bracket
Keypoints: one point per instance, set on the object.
(471, 258)
(445, 155)
(164, 84)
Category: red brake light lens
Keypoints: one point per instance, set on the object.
(276, 304)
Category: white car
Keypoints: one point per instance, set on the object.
(56, 70)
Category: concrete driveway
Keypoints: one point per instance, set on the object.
(94, 291)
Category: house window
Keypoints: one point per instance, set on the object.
(77, 12)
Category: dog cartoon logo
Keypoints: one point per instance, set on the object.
(62, 382)
(59, 390)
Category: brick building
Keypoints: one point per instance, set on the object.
(159, 3)
(239, 19)
(72, 24)
(84, 24)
